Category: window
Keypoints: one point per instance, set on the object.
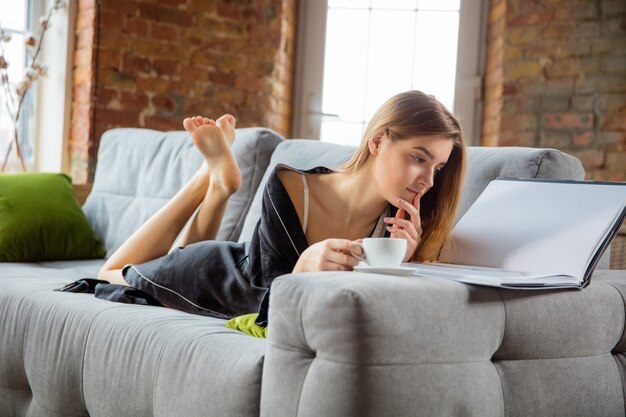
(15, 21)
(45, 115)
(355, 54)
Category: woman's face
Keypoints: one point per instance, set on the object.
(406, 167)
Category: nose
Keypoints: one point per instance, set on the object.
(426, 179)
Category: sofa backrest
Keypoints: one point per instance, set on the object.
(139, 170)
(484, 165)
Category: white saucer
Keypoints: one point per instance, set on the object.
(400, 270)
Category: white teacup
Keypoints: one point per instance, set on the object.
(383, 252)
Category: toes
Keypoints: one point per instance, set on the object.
(227, 122)
(189, 124)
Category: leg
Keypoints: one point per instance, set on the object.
(215, 181)
(205, 225)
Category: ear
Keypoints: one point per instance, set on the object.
(375, 144)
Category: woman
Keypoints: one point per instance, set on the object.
(406, 174)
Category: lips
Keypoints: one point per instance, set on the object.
(413, 191)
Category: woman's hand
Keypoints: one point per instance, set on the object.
(410, 230)
(329, 255)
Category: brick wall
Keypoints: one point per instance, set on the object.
(556, 77)
(149, 63)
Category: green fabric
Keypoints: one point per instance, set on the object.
(246, 324)
(41, 220)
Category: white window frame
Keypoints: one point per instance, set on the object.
(309, 69)
(53, 103)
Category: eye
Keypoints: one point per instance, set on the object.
(419, 159)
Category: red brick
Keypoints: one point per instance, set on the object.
(110, 20)
(590, 158)
(616, 160)
(82, 75)
(115, 41)
(615, 122)
(152, 85)
(86, 4)
(162, 123)
(83, 57)
(222, 78)
(85, 18)
(540, 18)
(164, 31)
(229, 11)
(178, 4)
(82, 93)
(194, 73)
(85, 38)
(149, 48)
(163, 103)
(204, 6)
(583, 139)
(133, 101)
(81, 112)
(116, 79)
(165, 14)
(109, 58)
(79, 135)
(121, 7)
(105, 95)
(133, 64)
(117, 117)
(568, 120)
(137, 26)
(165, 66)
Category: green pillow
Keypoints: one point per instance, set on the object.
(246, 324)
(41, 220)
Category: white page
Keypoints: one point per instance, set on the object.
(535, 226)
(487, 276)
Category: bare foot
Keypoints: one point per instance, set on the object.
(212, 143)
(203, 175)
(227, 123)
(192, 123)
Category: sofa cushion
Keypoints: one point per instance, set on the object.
(67, 354)
(41, 220)
(139, 170)
(484, 165)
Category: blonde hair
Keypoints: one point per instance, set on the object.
(408, 115)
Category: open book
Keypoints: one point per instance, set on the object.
(531, 233)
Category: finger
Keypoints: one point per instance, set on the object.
(332, 266)
(414, 210)
(341, 258)
(410, 208)
(403, 224)
(400, 213)
(344, 245)
(403, 234)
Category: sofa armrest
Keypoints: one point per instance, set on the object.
(354, 344)
(339, 340)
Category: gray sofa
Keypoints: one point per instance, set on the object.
(340, 344)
